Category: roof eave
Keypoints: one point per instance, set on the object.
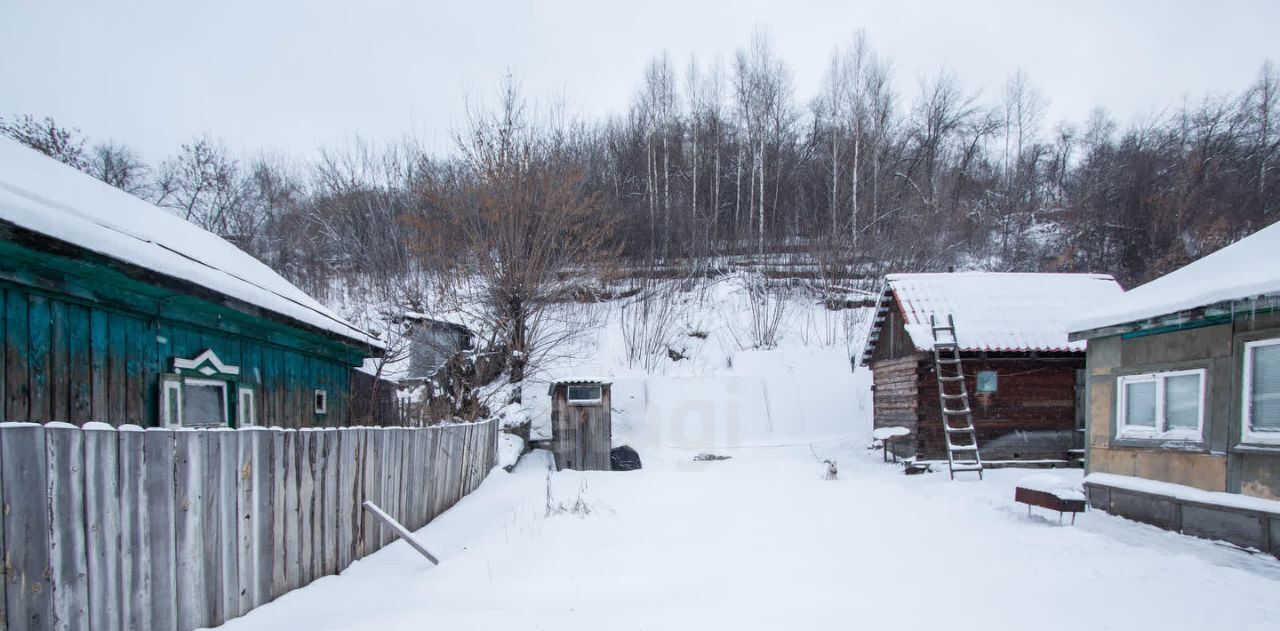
(1188, 318)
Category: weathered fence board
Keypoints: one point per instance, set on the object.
(228, 524)
(182, 529)
(135, 567)
(306, 504)
(189, 477)
(29, 603)
(329, 551)
(102, 512)
(64, 456)
(278, 584)
(158, 449)
(291, 534)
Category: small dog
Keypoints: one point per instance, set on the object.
(832, 471)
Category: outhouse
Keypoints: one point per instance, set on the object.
(580, 424)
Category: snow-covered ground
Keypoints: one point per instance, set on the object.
(761, 541)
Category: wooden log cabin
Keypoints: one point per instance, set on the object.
(1022, 374)
(114, 310)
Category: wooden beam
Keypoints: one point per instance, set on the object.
(400, 530)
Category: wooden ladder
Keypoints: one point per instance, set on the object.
(957, 422)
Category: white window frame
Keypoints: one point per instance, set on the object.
(596, 401)
(226, 407)
(1247, 435)
(321, 401)
(246, 414)
(171, 401)
(1124, 430)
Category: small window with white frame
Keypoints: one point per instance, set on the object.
(322, 402)
(1261, 406)
(585, 394)
(246, 411)
(1163, 406)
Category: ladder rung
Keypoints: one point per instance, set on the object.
(958, 378)
(966, 466)
(948, 361)
(962, 411)
(967, 428)
(955, 396)
(962, 447)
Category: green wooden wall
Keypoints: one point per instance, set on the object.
(85, 341)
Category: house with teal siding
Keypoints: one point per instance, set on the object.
(114, 310)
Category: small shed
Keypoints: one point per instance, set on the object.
(581, 424)
(433, 342)
(1024, 376)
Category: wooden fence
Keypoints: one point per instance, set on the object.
(108, 529)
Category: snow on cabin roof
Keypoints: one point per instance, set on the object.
(43, 195)
(1248, 268)
(999, 312)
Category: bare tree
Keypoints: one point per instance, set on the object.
(119, 165)
(520, 224)
(63, 144)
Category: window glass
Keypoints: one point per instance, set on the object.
(987, 381)
(1264, 389)
(1182, 402)
(584, 393)
(203, 404)
(1140, 404)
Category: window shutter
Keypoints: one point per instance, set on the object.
(1264, 389)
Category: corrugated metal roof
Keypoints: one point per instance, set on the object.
(995, 312)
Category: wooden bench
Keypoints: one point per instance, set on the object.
(1052, 500)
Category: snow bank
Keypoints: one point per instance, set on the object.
(1184, 493)
(1245, 269)
(43, 195)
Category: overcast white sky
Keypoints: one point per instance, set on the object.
(293, 75)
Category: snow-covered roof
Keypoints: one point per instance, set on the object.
(43, 195)
(999, 312)
(1248, 268)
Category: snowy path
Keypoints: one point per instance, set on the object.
(760, 541)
